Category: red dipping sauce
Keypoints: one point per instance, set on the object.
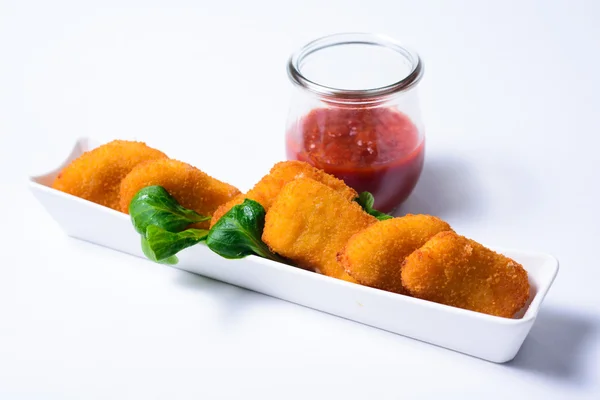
(378, 150)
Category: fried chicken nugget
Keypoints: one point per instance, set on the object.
(267, 189)
(284, 172)
(310, 222)
(191, 187)
(96, 175)
(456, 271)
(374, 255)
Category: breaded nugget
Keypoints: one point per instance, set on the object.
(267, 189)
(374, 255)
(96, 175)
(453, 270)
(310, 222)
(191, 187)
(284, 172)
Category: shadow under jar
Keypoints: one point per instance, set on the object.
(355, 114)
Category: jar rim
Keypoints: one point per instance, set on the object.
(339, 39)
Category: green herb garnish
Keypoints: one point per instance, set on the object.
(366, 201)
(172, 260)
(160, 219)
(162, 244)
(162, 222)
(153, 205)
(238, 233)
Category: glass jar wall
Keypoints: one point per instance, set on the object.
(355, 114)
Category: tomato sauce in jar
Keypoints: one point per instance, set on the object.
(378, 150)
(355, 113)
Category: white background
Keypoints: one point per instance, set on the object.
(510, 98)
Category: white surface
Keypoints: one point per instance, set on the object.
(510, 98)
(487, 337)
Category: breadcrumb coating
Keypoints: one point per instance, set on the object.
(374, 255)
(267, 189)
(309, 223)
(96, 175)
(191, 187)
(456, 271)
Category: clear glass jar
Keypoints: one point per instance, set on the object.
(355, 114)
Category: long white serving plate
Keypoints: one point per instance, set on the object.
(491, 338)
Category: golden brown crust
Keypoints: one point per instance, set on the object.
(191, 187)
(374, 255)
(96, 175)
(267, 189)
(310, 222)
(286, 171)
(456, 271)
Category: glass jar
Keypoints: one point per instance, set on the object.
(355, 114)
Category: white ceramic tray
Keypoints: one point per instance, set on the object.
(491, 338)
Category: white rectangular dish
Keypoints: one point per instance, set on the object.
(491, 338)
